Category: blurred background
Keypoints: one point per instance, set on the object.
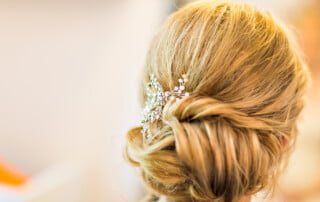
(69, 72)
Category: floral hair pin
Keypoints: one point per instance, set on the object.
(156, 100)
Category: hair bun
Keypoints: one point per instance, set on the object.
(205, 132)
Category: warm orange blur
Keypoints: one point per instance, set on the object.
(10, 175)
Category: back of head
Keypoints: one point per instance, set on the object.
(229, 138)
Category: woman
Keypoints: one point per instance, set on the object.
(223, 86)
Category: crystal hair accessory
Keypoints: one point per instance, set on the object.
(156, 100)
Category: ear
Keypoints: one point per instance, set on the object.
(284, 141)
(285, 138)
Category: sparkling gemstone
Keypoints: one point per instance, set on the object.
(156, 100)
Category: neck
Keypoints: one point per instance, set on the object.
(242, 199)
(245, 199)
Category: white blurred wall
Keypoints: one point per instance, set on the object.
(68, 85)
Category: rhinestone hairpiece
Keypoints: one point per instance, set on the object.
(156, 100)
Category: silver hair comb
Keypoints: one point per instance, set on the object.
(156, 100)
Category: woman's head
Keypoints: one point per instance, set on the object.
(231, 136)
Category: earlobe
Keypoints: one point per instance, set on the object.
(284, 142)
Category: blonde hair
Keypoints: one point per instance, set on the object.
(232, 135)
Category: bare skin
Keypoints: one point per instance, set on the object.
(245, 199)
